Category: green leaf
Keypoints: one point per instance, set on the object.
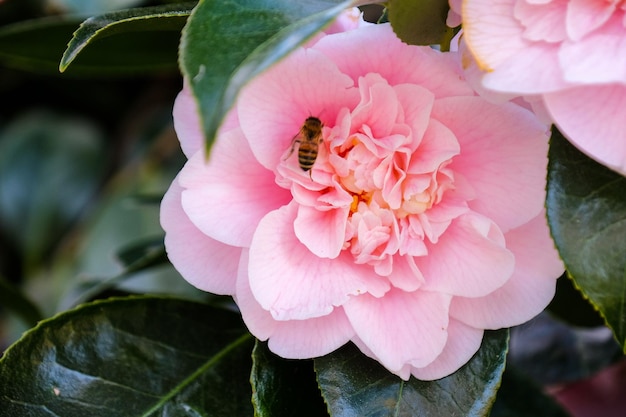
(586, 208)
(284, 387)
(150, 38)
(354, 385)
(226, 43)
(520, 397)
(13, 299)
(420, 22)
(137, 356)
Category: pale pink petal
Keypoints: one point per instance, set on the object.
(322, 232)
(503, 158)
(592, 118)
(404, 372)
(273, 108)
(203, 262)
(454, 14)
(468, 260)
(530, 289)
(232, 186)
(542, 22)
(594, 59)
(585, 16)
(463, 342)
(187, 122)
(533, 70)
(487, 26)
(401, 327)
(381, 52)
(295, 339)
(293, 283)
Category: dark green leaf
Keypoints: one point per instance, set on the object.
(155, 28)
(50, 167)
(520, 397)
(354, 385)
(284, 387)
(226, 43)
(13, 299)
(138, 356)
(419, 22)
(586, 207)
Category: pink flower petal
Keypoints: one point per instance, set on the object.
(585, 16)
(593, 59)
(293, 283)
(322, 232)
(401, 327)
(187, 122)
(592, 118)
(530, 288)
(489, 24)
(468, 260)
(381, 52)
(203, 262)
(463, 342)
(503, 158)
(273, 108)
(232, 185)
(542, 22)
(295, 339)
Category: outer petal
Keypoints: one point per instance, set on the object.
(274, 106)
(293, 283)
(592, 118)
(295, 339)
(463, 342)
(529, 290)
(227, 197)
(380, 51)
(401, 327)
(469, 260)
(506, 151)
(187, 122)
(205, 263)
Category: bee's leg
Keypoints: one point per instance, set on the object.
(293, 147)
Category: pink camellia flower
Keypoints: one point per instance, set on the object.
(419, 225)
(571, 52)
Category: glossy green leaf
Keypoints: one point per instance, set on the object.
(420, 22)
(226, 43)
(143, 356)
(13, 300)
(50, 167)
(282, 387)
(520, 397)
(156, 28)
(354, 385)
(586, 207)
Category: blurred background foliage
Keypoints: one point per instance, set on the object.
(85, 158)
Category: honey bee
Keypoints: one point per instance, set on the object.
(309, 139)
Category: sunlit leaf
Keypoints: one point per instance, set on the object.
(130, 357)
(586, 207)
(420, 22)
(226, 43)
(285, 388)
(354, 385)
